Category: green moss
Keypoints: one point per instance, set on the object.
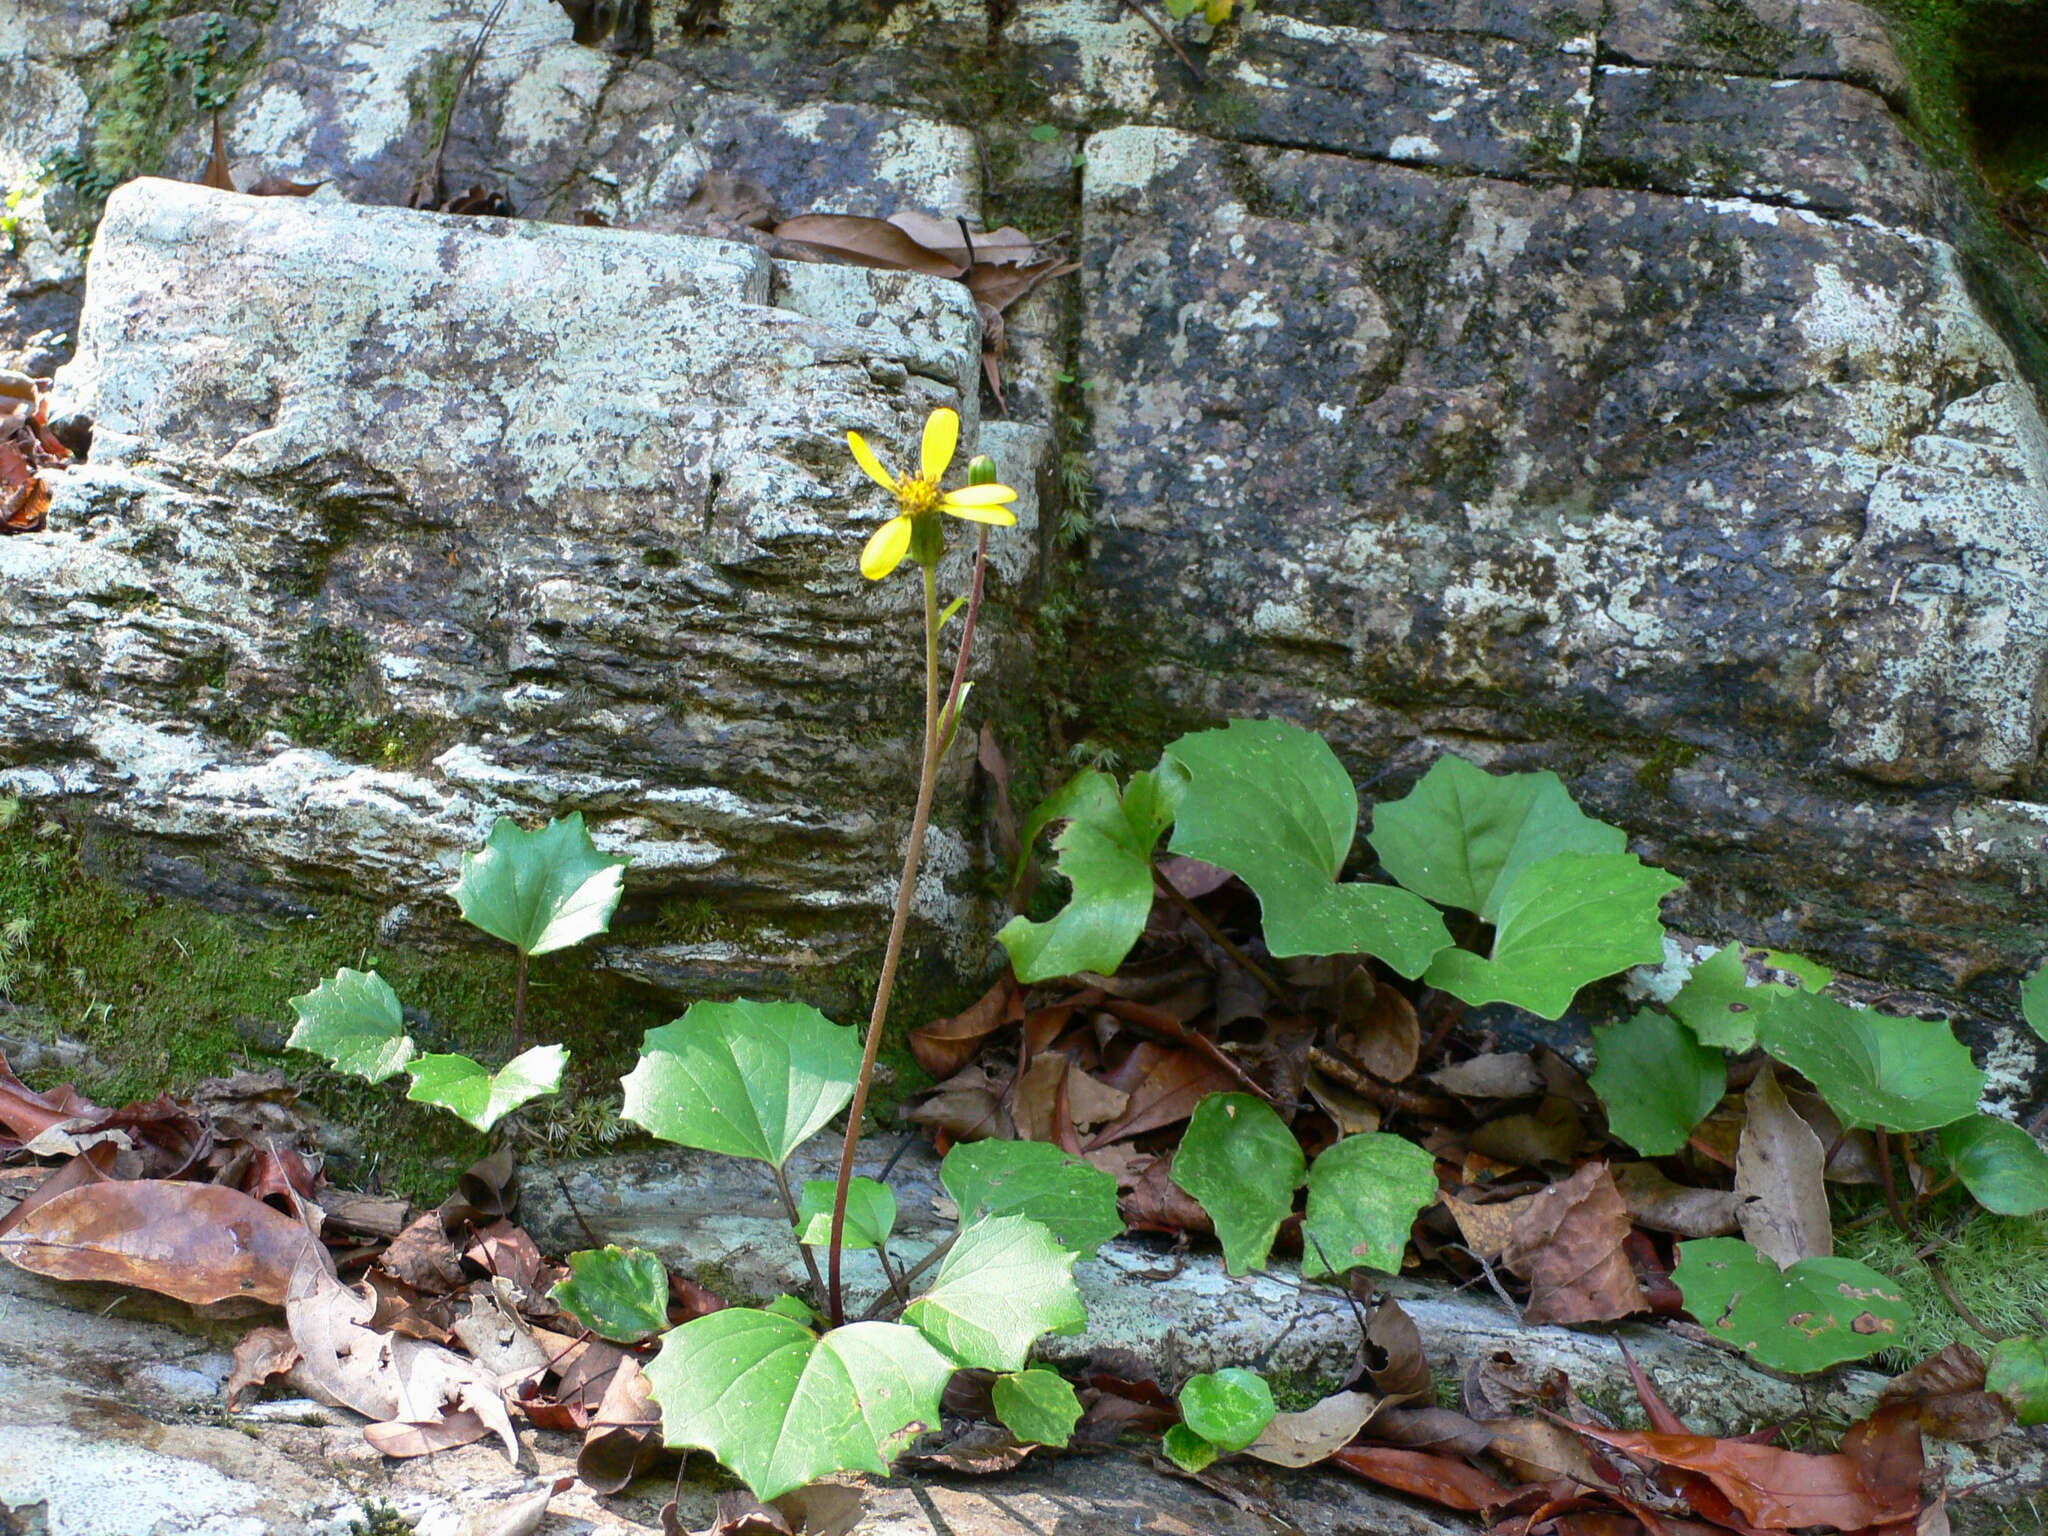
(380, 1519)
(1997, 1265)
(163, 993)
(341, 707)
(1665, 759)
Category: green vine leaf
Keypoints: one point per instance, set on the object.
(2002, 1167)
(1229, 1408)
(480, 1096)
(870, 1213)
(353, 1019)
(1105, 851)
(540, 891)
(783, 1407)
(1874, 1070)
(1568, 920)
(1186, 1449)
(747, 1079)
(1072, 1197)
(1657, 1081)
(1364, 1194)
(1269, 802)
(2034, 1001)
(1723, 1007)
(617, 1293)
(1037, 1406)
(1818, 1313)
(2018, 1372)
(1006, 1281)
(1242, 1163)
(1463, 835)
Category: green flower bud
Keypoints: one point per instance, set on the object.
(981, 470)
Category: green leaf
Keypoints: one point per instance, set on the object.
(1074, 1198)
(1184, 1448)
(1657, 1081)
(1462, 835)
(1902, 1074)
(1363, 1196)
(870, 1213)
(1006, 1282)
(1269, 802)
(1567, 920)
(783, 1407)
(483, 1097)
(1038, 1406)
(747, 1079)
(1105, 851)
(2018, 1372)
(797, 1308)
(1239, 1159)
(2002, 1167)
(617, 1293)
(1229, 1409)
(353, 1019)
(1722, 1007)
(540, 891)
(2034, 1002)
(1818, 1313)
(1045, 133)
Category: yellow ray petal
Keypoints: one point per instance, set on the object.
(941, 437)
(978, 496)
(864, 456)
(1000, 517)
(885, 551)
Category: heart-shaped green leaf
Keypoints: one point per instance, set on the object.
(783, 1407)
(1269, 802)
(1722, 1006)
(1186, 1449)
(1242, 1163)
(2034, 1001)
(1229, 1408)
(480, 1096)
(1105, 852)
(1037, 1406)
(1462, 835)
(2018, 1372)
(540, 891)
(1363, 1196)
(1567, 920)
(747, 1079)
(617, 1293)
(1818, 1313)
(1874, 1070)
(870, 1213)
(1657, 1081)
(1073, 1198)
(1005, 1282)
(2002, 1167)
(353, 1019)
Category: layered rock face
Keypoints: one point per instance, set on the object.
(1597, 387)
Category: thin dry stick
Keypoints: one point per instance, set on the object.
(911, 1276)
(1207, 924)
(1891, 1189)
(1941, 1279)
(430, 179)
(1166, 37)
(789, 1205)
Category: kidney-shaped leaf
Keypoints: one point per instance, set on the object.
(1874, 1070)
(783, 1407)
(483, 1097)
(1239, 1159)
(746, 1079)
(617, 1293)
(353, 1019)
(540, 891)
(1363, 1196)
(1005, 1282)
(1462, 835)
(2001, 1166)
(2034, 1001)
(1038, 1406)
(1818, 1313)
(1567, 920)
(870, 1213)
(1269, 802)
(2019, 1373)
(1657, 1081)
(1075, 1199)
(1229, 1408)
(1105, 852)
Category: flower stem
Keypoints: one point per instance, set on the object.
(789, 1205)
(920, 821)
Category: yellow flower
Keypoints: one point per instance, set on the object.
(918, 496)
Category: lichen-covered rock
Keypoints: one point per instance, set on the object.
(395, 522)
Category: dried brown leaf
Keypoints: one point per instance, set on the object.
(1779, 1164)
(1656, 1202)
(944, 1046)
(1568, 1246)
(1312, 1435)
(1486, 1228)
(866, 242)
(625, 1433)
(1497, 1075)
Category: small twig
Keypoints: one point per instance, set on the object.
(1166, 37)
(789, 1205)
(1386, 1095)
(574, 1210)
(430, 179)
(889, 1272)
(1941, 1279)
(911, 1276)
(1891, 1188)
(1203, 921)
